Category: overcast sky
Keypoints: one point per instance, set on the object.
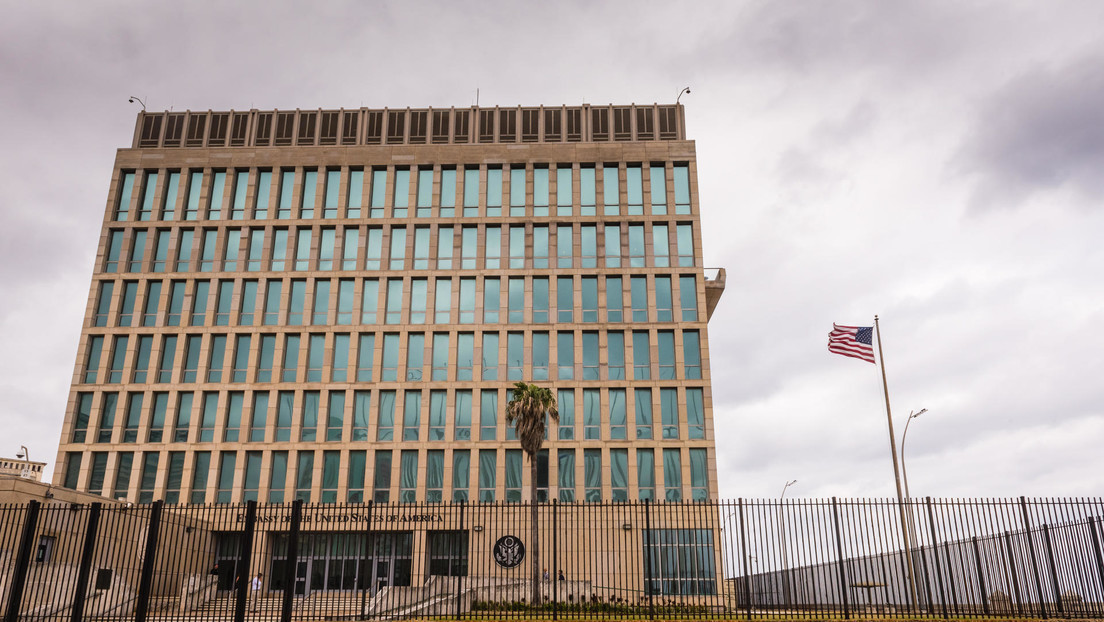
(940, 164)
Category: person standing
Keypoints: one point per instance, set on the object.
(255, 592)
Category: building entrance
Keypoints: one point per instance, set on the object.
(344, 561)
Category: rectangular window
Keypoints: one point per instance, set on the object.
(488, 467)
(195, 191)
(515, 356)
(208, 416)
(356, 193)
(308, 430)
(408, 476)
(494, 192)
(297, 300)
(291, 359)
(442, 301)
(137, 251)
(103, 304)
(335, 416)
(200, 300)
(114, 247)
(415, 356)
(240, 190)
(344, 302)
(471, 190)
(461, 474)
(82, 416)
(666, 351)
(390, 357)
(123, 467)
(695, 413)
(332, 193)
(369, 301)
(264, 194)
(493, 248)
(657, 177)
(327, 245)
(362, 416)
(469, 247)
(462, 415)
(233, 417)
(232, 250)
(636, 246)
(540, 191)
(122, 207)
(643, 403)
(252, 476)
(517, 190)
(685, 243)
(672, 475)
(590, 298)
(591, 364)
(439, 357)
(308, 200)
(191, 358)
(366, 349)
(615, 346)
(149, 189)
(447, 196)
(316, 346)
(682, 189)
(183, 418)
(540, 300)
(161, 250)
(321, 302)
(421, 248)
(540, 246)
(617, 415)
(176, 303)
(118, 359)
(565, 355)
(424, 196)
(224, 299)
(645, 474)
(691, 354)
(277, 481)
(619, 474)
(385, 427)
(565, 299)
(565, 459)
(513, 475)
(564, 190)
(207, 252)
(611, 194)
(587, 194)
(259, 419)
(248, 303)
(418, 301)
(540, 356)
(660, 246)
(349, 248)
(142, 359)
(668, 409)
(184, 250)
(634, 189)
(381, 484)
(174, 478)
(108, 403)
(201, 468)
(564, 246)
(217, 358)
(279, 249)
(285, 408)
(437, 415)
(398, 248)
(379, 192)
(492, 297)
(444, 248)
(401, 193)
(374, 248)
(592, 475)
(592, 415)
(490, 356)
(339, 370)
(566, 405)
(699, 476)
(639, 298)
(126, 303)
(272, 303)
(302, 249)
(615, 302)
(304, 476)
(265, 358)
(172, 190)
(488, 414)
(133, 418)
(435, 476)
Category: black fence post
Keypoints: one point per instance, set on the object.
(1012, 571)
(85, 569)
(22, 561)
(467, 556)
(839, 554)
(1034, 561)
(744, 559)
(149, 560)
(292, 563)
(554, 577)
(1053, 569)
(980, 575)
(648, 557)
(365, 573)
(245, 553)
(935, 558)
(1096, 550)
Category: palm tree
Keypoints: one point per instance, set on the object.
(527, 409)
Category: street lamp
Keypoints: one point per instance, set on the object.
(904, 471)
(23, 453)
(782, 541)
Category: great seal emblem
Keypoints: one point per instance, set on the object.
(509, 551)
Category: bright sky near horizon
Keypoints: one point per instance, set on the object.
(940, 164)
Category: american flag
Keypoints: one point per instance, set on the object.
(853, 341)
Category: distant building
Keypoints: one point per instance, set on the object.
(22, 468)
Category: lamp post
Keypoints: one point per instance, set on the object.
(908, 497)
(782, 542)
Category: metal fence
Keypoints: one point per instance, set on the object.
(718, 559)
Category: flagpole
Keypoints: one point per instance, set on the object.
(896, 467)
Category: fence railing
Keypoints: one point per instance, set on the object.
(813, 558)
